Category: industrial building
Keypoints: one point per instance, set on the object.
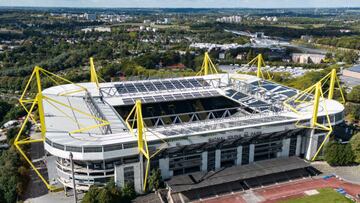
(307, 58)
(182, 125)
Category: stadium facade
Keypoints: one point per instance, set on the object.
(198, 123)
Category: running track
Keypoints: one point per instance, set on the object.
(272, 194)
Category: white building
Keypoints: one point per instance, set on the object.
(199, 123)
(90, 16)
(230, 19)
(96, 29)
(307, 58)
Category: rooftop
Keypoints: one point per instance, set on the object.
(65, 112)
(355, 68)
(225, 175)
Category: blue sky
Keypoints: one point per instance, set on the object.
(185, 3)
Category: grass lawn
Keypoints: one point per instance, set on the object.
(326, 195)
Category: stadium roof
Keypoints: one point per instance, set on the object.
(355, 68)
(224, 175)
(264, 96)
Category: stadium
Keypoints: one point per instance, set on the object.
(236, 124)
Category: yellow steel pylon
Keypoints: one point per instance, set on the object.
(93, 74)
(334, 80)
(135, 116)
(207, 66)
(312, 96)
(259, 61)
(37, 101)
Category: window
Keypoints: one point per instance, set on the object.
(112, 147)
(92, 149)
(58, 146)
(245, 155)
(73, 149)
(129, 175)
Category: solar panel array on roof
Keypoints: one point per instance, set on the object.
(135, 87)
(171, 97)
(274, 88)
(248, 100)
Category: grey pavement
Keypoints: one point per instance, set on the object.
(347, 173)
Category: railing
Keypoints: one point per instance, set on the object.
(193, 116)
(94, 108)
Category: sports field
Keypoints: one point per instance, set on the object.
(326, 195)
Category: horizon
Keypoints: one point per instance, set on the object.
(87, 7)
(225, 4)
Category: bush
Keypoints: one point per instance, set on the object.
(109, 194)
(355, 146)
(4, 108)
(91, 195)
(352, 110)
(154, 180)
(354, 95)
(337, 154)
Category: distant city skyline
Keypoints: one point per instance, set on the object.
(185, 3)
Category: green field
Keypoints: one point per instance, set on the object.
(326, 195)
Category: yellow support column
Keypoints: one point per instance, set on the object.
(93, 74)
(316, 104)
(332, 84)
(206, 64)
(39, 100)
(135, 115)
(140, 139)
(140, 125)
(259, 63)
(312, 145)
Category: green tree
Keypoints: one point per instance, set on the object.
(11, 133)
(154, 180)
(354, 95)
(328, 56)
(4, 108)
(128, 192)
(91, 195)
(15, 113)
(337, 154)
(10, 181)
(250, 55)
(104, 196)
(109, 194)
(355, 146)
(352, 111)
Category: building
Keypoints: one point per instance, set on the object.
(90, 16)
(167, 20)
(307, 58)
(307, 38)
(222, 55)
(96, 29)
(192, 124)
(353, 72)
(230, 19)
(269, 18)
